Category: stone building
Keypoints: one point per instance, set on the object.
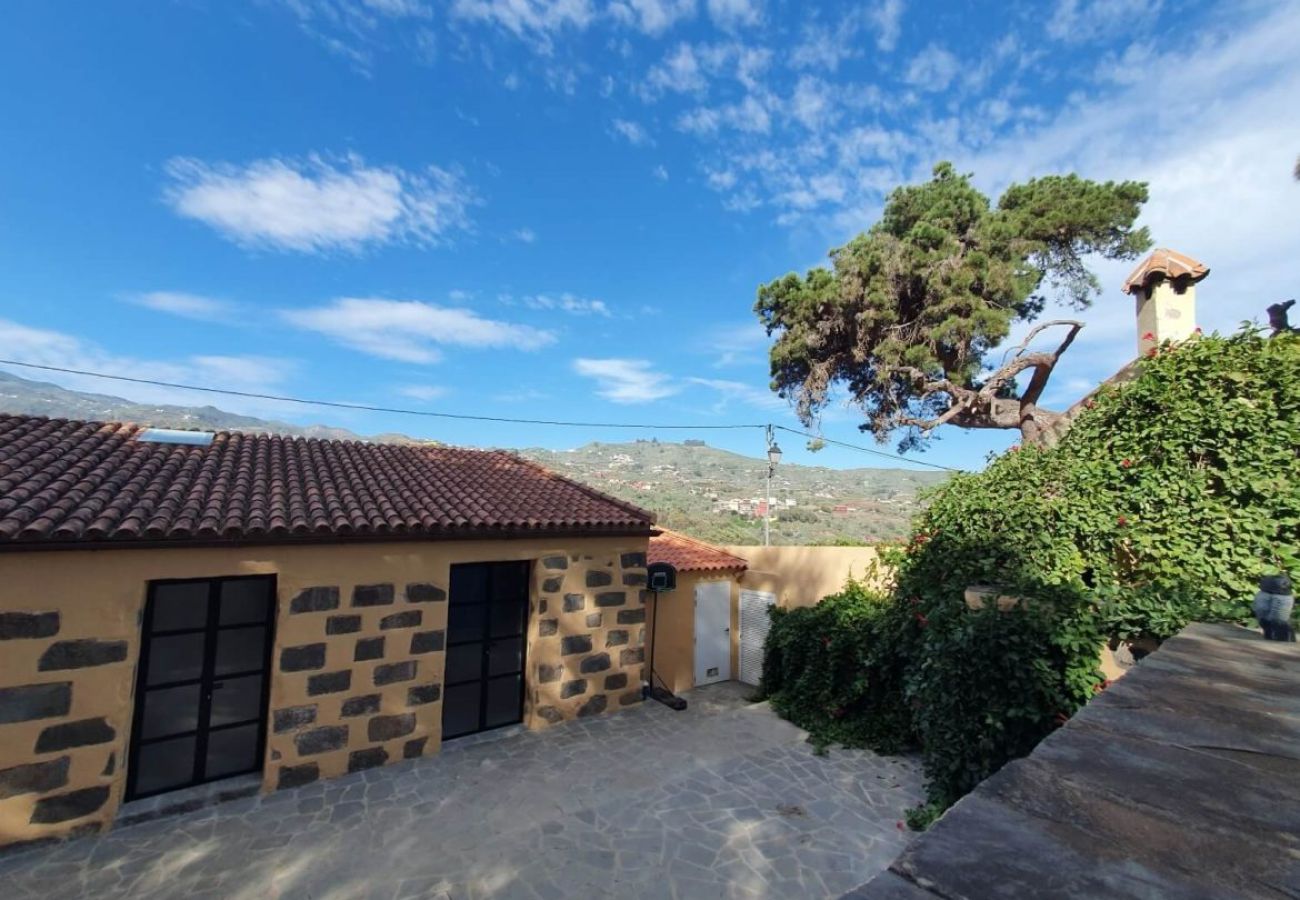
(182, 607)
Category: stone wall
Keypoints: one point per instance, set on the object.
(586, 635)
(357, 666)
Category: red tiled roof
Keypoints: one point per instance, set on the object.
(686, 554)
(1169, 263)
(69, 482)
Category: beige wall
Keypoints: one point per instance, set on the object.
(594, 643)
(674, 654)
(801, 576)
(1166, 313)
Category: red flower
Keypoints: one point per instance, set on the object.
(922, 620)
(1122, 521)
(900, 825)
(1013, 448)
(1126, 463)
(1089, 403)
(1153, 352)
(1149, 336)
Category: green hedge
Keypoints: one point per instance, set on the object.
(1163, 504)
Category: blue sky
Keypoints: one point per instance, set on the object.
(562, 208)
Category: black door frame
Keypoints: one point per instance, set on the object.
(207, 677)
(487, 640)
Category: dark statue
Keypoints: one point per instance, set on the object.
(1272, 607)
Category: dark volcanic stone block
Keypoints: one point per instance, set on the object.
(632, 560)
(365, 705)
(297, 776)
(633, 579)
(302, 659)
(19, 625)
(372, 595)
(73, 805)
(321, 740)
(575, 643)
(611, 598)
(414, 749)
(631, 616)
(599, 578)
(394, 672)
(421, 694)
(343, 624)
(616, 682)
(574, 602)
(111, 766)
(555, 562)
(594, 620)
(550, 714)
(315, 599)
(329, 682)
(35, 701)
(428, 641)
(292, 717)
(367, 759)
(598, 663)
(616, 637)
(409, 618)
(593, 706)
(547, 673)
(81, 733)
(547, 627)
(551, 585)
(632, 657)
(573, 688)
(34, 778)
(368, 648)
(387, 728)
(81, 654)
(629, 698)
(425, 593)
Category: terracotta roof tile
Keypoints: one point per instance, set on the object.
(1167, 263)
(687, 555)
(64, 481)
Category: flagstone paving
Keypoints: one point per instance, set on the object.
(724, 800)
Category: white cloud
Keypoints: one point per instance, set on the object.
(748, 115)
(525, 235)
(735, 13)
(811, 104)
(632, 132)
(887, 19)
(737, 344)
(627, 380)
(534, 21)
(353, 29)
(411, 330)
(742, 393)
(933, 69)
(652, 16)
(1077, 21)
(187, 306)
(660, 173)
(679, 72)
(422, 392)
(316, 206)
(258, 374)
(578, 306)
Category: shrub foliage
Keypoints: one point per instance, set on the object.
(1164, 503)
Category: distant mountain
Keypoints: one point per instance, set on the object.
(712, 494)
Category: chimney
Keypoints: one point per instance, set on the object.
(1164, 286)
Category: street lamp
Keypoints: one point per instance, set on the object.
(773, 457)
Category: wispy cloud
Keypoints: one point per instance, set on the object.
(316, 206)
(536, 21)
(185, 305)
(887, 19)
(634, 133)
(411, 330)
(525, 235)
(422, 392)
(354, 29)
(627, 380)
(259, 374)
(660, 173)
(731, 14)
(738, 392)
(652, 17)
(568, 303)
(1077, 21)
(933, 69)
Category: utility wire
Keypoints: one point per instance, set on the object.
(463, 416)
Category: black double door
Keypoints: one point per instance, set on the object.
(483, 685)
(201, 688)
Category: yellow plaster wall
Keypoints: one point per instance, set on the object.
(99, 595)
(801, 576)
(1166, 313)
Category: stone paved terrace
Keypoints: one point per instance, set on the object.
(723, 800)
(1181, 780)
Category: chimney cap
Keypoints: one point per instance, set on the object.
(1165, 263)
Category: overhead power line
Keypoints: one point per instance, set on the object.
(396, 410)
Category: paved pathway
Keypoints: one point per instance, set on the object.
(723, 800)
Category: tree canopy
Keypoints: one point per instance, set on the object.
(908, 316)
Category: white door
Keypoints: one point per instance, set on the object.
(712, 632)
(755, 620)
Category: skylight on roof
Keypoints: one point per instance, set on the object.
(175, 436)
